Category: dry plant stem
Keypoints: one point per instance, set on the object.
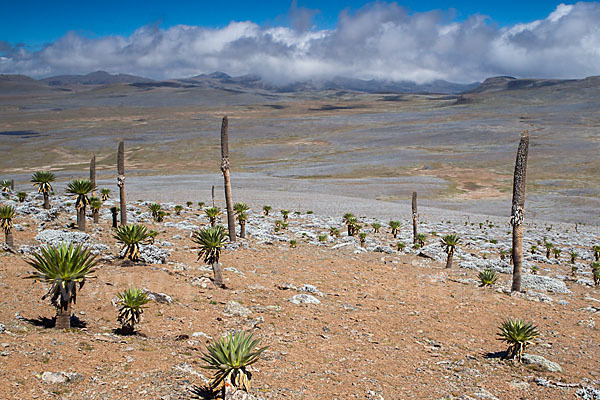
(81, 219)
(93, 171)
(121, 181)
(46, 201)
(242, 229)
(218, 274)
(518, 209)
(415, 216)
(450, 257)
(8, 238)
(225, 170)
(63, 315)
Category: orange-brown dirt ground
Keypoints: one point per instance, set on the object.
(390, 326)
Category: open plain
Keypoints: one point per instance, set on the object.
(456, 151)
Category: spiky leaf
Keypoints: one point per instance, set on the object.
(211, 240)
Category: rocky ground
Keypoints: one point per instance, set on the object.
(341, 320)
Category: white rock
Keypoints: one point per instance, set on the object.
(304, 298)
(54, 377)
(233, 308)
(541, 362)
(158, 297)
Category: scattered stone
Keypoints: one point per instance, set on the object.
(496, 265)
(235, 309)
(520, 385)
(303, 298)
(253, 323)
(541, 363)
(188, 370)
(159, 297)
(337, 246)
(484, 394)
(588, 393)
(202, 282)
(55, 237)
(382, 249)
(585, 282)
(286, 286)
(73, 376)
(592, 299)
(232, 246)
(183, 225)
(312, 289)
(542, 382)
(25, 249)
(241, 395)
(469, 281)
(60, 377)
(589, 323)
(179, 266)
(201, 334)
(234, 270)
(54, 377)
(536, 296)
(98, 248)
(2, 328)
(257, 287)
(153, 255)
(309, 289)
(541, 282)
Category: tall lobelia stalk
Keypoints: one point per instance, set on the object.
(114, 211)
(121, 181)
(93, 171)
(225, 170)
(518, 209)
(213, 195)
(415, 217)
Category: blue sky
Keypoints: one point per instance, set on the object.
(35, 23)
(283, 41)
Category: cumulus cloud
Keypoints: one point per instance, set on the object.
(380, 40)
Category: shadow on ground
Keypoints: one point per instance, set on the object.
(45, 322)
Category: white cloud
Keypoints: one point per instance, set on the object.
(381, 40)
(561, 11)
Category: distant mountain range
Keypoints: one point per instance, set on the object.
(22, 84)
(94, 78)
(587, 90)
(221, 80)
